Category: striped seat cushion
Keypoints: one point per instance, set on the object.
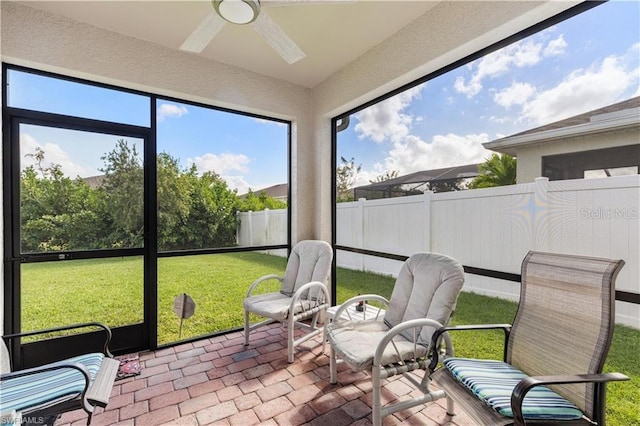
(493, 382)
(44, 389)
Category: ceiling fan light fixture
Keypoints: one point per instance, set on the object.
(237, 11)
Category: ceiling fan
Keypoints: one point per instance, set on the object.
(248, 12)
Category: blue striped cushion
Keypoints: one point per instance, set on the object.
(40, 390)
(493, 382)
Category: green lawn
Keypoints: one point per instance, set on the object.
(110, 291)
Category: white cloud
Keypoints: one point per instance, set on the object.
(366, 176)
(471, 89)
(170, 110)
(581, 91)
(53, 154)
(386, 120)
(522, 54)
(413, 154)
(555, 47)
(516, 94)
(237, 182)
(221, 163)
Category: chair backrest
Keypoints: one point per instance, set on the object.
(310, 260)
(565, 319)
(427, 287)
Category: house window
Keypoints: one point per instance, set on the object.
(597, 163)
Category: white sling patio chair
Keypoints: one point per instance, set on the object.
(423, 300)
(554, 352)
(301, 294)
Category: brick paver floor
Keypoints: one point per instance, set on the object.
(219, 381)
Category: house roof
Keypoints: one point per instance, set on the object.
(614, 117)
(435, 175)
(280, 190)
(95, 181)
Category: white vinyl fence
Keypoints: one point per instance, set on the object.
(263, 228)
(494, 228)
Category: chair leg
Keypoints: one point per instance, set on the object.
(246, 328)
(333, 368)
(290, 343)
(376, 415)
(451, 410)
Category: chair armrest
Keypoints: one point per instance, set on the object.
(404, 326)
(525, 385)
(262, 279)
(436, 335)
(304, 289)
(103, 327)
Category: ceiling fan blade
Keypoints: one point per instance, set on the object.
(204, 33)
(277, 38)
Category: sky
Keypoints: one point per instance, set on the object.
(584, 63)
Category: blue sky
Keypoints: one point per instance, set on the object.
(587, 62)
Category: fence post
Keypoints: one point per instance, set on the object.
(250, 227)
(541, 222)
(427, 219)
(267, 228)
(361, 242)
(238, 228)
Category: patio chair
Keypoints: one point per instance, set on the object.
(40, 394)
(423, 299)
(560, 337)
(299, 295)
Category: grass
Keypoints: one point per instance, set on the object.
(110, 291)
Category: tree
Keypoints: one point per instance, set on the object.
(261, 201)
(346, 176)
(497, 170)
(56, 212)
(447, 185)
(211, 221)
(124, 190)
(194, 211)
(173, 190)
(388, 174)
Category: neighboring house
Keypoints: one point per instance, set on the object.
(438, 180)
(599, 143)
(95, 181)
(279, 192)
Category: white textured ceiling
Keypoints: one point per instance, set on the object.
(331, 33)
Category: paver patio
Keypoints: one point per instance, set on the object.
(221, 382)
